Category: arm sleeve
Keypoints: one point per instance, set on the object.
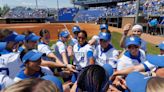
(61, 48)
(148, 66)
(46, 50)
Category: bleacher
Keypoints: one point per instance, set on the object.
(67, 14)
(24, 12)
(90, 15)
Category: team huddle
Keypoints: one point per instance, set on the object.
(93, 65)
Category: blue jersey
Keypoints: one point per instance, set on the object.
(44, 71)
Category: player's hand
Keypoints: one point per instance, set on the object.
(126, 29)
(112, 89)
(119, 81)
(67, 86)
(71, 68)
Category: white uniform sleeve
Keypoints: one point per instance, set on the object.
(44, 49)
(61, 47)
(148, 65)
(123, 63)
(96, 38)
(5, 81)
(115, 53)
(17, 79)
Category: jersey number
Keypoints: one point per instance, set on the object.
(6, 70)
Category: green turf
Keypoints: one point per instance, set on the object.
(151, 49)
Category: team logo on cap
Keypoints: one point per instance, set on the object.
(103, 25)
(131, 38)
(104, 34)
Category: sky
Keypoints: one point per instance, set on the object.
(41, 3)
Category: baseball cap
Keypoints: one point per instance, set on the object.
(14, 37)
(32, 55)
(104, 36)
(64, 33)
(133, 40)
(161, 45)
(137, 26)
(54, 80)
(2, 45)
(76, 29)
(103, 26)
(136, 78)
(156, 60)
(32, 37)
(109, 69)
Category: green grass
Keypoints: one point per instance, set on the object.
(151, 49)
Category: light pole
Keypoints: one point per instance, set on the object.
(137, 13)
(36, 1)
(57, 2)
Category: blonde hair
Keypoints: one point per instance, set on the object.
(32, 85)
(155, 84)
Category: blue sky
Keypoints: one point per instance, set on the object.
(41, 3)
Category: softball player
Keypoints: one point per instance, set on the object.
(95, 39)
(136, 31)
(133, 56)
(30, 42)
(5, 80)
(73, 40)
(145, 66)
(105, 53)
(61, 48)
(10, 61)
(83, 52)
(75, 31)
(31, 62)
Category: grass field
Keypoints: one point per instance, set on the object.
(151, 49)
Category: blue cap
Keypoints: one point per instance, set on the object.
(161, 45)
(76, 29)
(14, 37)
(103, 26)
(133, 40)
(32, 55)
(109, 69)
(156, 60)
(2, 45)
(32, 37)
(136, 82)
(54, 80)
(64, 33)
(104, 36)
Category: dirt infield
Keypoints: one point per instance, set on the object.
(91, 29)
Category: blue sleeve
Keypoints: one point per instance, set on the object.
(145, 67)
(89, 54)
